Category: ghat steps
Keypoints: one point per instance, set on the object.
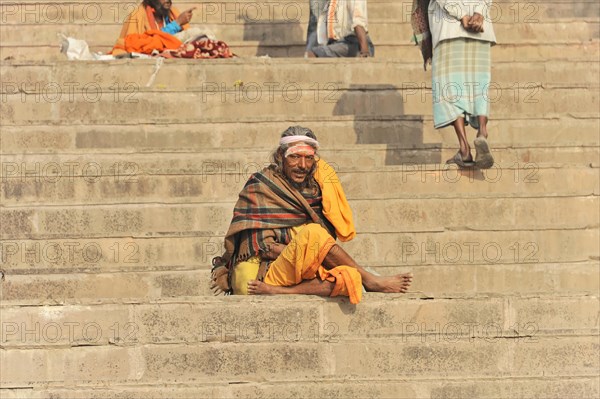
(115, 194)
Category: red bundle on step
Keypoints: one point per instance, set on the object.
(203, 48)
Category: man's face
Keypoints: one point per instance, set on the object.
(161, 7)
(297, 166)
(166, 4)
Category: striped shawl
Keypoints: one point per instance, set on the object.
(267, 208)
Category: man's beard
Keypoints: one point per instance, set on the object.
(159, 9)
(306, 183)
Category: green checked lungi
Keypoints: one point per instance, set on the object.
(460, 82)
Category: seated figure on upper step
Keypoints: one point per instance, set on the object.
(338, 28)
(281, 239)
(155, 27)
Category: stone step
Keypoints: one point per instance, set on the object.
(396, 249)
(492, 388)
(248, 12)
(297, 319)
(26, 287)
(573, 51)
(370, 216)
(390, 31)
(548, 131)
(160, 106)
(217, 184)
(301, 361)
(325, 75)
(18, 171)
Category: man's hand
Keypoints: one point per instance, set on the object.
(465, 22)
(185, 17)
(476, 23)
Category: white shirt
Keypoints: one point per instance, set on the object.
(339, 18)
(445, 15)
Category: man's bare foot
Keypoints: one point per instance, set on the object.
(256, 287)
(389, 284)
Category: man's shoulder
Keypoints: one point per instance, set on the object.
(261, 175)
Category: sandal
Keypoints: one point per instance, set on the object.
(458, 160)
(483, 157)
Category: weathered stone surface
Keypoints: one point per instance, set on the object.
(486, 358)
(506, 52)
(527, 388)
(199, 219)
(386, 100)
(121, 80)
(104, 287)
(281, 32)
(404, 131)
(216, 183)
(60, 288)
(247, 12)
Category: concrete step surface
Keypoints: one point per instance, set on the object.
(242, 320)
(485, 388)
(126, 167)
(215, 183)
(403, 131)
(394, 248)
(378, 101)
(86, 283)
(177, 363)
(405, 337)
(326, 75)
(112, 207)
(248, 12)
(370, 216)
(405, 51)
(282, 32)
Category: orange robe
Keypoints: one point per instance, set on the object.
(302, 258)
(139, 23)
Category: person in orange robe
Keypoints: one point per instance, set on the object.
(282, 236)
(152, 26)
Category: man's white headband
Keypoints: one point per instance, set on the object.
(293, 139)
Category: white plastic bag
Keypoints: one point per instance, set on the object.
(75, 49)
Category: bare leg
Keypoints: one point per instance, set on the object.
(398, 283)
(310, 54)
(308, 287)
(465, 149)
(483, 120)
(483, 157)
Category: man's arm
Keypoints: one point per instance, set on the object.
(182, 19)
(363, 45)
(273, 251)
(359, 24)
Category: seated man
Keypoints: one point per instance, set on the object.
(158, 17)
(341, 29)
(284, 227)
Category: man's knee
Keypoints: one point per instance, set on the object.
(314, 229)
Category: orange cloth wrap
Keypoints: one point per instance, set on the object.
(151, 40)
(138, 23)
(335, 205)
(301, 260)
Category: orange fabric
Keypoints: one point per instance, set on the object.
(151, 40)
(347, 282)
(335, 205)
(138, 22)
(301, 260)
